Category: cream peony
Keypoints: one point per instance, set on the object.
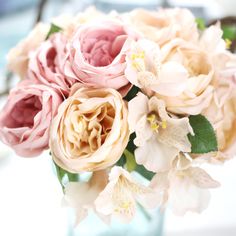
(90, 131)
(159, 137)
(18, 57)
(121, 193)
(164, 25)
(198, 93)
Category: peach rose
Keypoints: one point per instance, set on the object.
(18, 56)
(198, 92)
(26, 117)
(45, 61)
(90, 131)
(97, 55)
(164, 25)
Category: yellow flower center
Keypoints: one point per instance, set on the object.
(155, 123)
(228, 43)
(136, 57)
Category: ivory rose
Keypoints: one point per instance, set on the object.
(90, 131)
(121, 193)
(18, 56)
(164, 25)
(26, 117)
(198, 92)
(44, 64)
(159, 137)
(97, 55)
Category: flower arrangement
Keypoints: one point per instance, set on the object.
(116, 97)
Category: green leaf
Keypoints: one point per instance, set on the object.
(130, 161)
(144, 172)
(132, 93)
(204, 140)
(200, 23)
(65, 176)
(54, 29)
(229, 32)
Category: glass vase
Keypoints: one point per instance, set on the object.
(144, 224)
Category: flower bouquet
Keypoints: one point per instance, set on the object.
(130, 106)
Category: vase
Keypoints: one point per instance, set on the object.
(144, 224)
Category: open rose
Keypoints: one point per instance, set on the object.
(164, 25)
(44, 64)
(198, 92)
(26, 117)
(90, 131)
(97, 55)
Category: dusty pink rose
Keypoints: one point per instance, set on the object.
(44, 64)
(97, 55)
(26, 117)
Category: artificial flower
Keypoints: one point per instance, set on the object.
(146, 70)
(119, 197)
(90, 131)
(199, 91)
(164, 25)
(97, 55)
(184, 189)
(81, 195)
(45, 61)
(26, 117)
(159, 137)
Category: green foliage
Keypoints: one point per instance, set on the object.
(200, 23)
(229, 32)
(132, 93)
(130, 161)
(65, 176)
(204, 138)
(54, 29)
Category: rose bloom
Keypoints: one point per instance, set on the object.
(97, 55)
(44, 64)
(26, 117)
(164, 25)
(18, 56)
(198, 92)
(90, 131)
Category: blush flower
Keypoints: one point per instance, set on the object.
(159, 137)
(146, 70)
(81, 195)
(184, 189)
(164, 25)
(44, 64)
(199, 91)
(26, 117)
(97, 55)
(90, 131)
(120, 195)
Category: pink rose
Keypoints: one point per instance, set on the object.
(26, 117)
(44, 64)
(97, 55)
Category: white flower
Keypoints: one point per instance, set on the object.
(146, 70)
(159, 137)
(81, 195)
(184, 189)
(120, 195)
